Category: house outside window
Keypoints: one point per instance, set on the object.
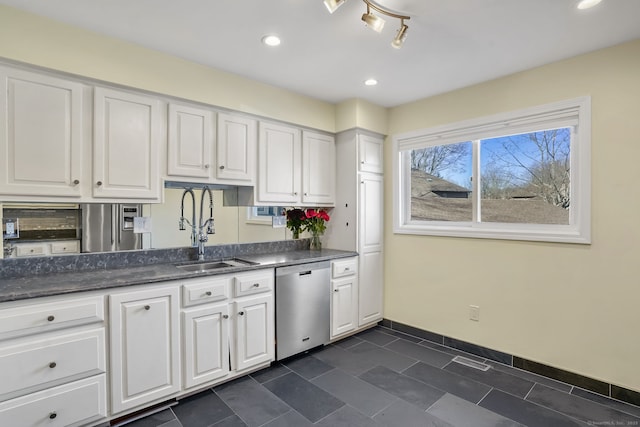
(522, 175)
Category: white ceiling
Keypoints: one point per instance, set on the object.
(450, 43)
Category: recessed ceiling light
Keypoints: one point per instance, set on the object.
(371, 82)
(586, 4)
(271, 40)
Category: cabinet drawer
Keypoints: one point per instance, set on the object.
(203, 291)
(74, 404)
(347, 267)
(67, 247)
(253, 283)
(49, 361)
(30, 250)
(34, 318)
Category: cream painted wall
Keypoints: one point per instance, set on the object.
(358, 113)
(574, 307)
(39, 41)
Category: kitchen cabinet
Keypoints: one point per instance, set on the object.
(318, 169)
(41, 136)
(295, 168)
(145, 346)
(358, 218)
(190, 142)
(206, 344)
(226, 332)
(236, 149)
(53, 360)
(344, 296)
(127, 136)
(279, 164)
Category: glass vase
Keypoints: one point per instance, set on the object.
(295, 234)
(315, 244)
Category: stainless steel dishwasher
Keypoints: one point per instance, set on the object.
(302, 308)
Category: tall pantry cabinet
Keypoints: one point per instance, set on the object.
(357, 222)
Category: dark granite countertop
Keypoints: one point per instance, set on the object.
(32, 286)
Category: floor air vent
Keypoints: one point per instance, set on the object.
(471, 363)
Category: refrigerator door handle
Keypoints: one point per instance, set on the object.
(114, 224)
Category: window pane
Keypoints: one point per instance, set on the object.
(441, 183)
(525, 178)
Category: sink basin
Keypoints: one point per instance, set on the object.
(202, 267)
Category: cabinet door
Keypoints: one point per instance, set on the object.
(190, 142)
(370, 210)
(127, 131)
(206, 345)
(344, 305)
(254, 320)
(144, 352)
(236, 149)
(370, 154)
(370, 288)
(318, 169)
(279, 164)
(40, 135)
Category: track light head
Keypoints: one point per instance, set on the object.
(398, 41)
(333, 5)
(372, 21)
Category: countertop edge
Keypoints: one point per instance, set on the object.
(67, 283)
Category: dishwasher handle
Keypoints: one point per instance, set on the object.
(304, 273)
(307, 268)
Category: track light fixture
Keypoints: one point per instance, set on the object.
(375, 22)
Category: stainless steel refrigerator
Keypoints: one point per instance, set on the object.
(109, 227)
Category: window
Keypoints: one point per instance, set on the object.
(262, 214)
(523, 175)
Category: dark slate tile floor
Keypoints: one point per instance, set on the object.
(386, 378)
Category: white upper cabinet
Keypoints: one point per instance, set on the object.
(236, 149)
(279, 168)
(318, 168)
(127, 136)
(370, 154)
(190, 142)
(41, 131)
(294, 167)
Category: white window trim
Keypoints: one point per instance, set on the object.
(575, 112)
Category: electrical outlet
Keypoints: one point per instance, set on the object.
(474, 313)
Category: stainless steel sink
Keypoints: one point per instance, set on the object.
(203, 267)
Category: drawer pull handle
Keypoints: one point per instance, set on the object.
(52, 365)
(225, 316)
(256, 285)
(52, 415)
(241, 313)
(147, 307)
(336, 290)
(50, 318)
(208, 293)
(76, 182)
(99, 183)
(221, 167)
(346, 269)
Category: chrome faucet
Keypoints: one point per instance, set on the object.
(192, 224)
(201, 229)
(203, 236)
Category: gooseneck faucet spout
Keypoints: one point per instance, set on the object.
(208, 223)
(192, 225)
(202, 228)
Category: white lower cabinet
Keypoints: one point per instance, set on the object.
(206, 344)
(69, 405)
(344, 296)
(254, 331)
(145, 346)
(53, 362)
(370, 289)
(225, 335)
